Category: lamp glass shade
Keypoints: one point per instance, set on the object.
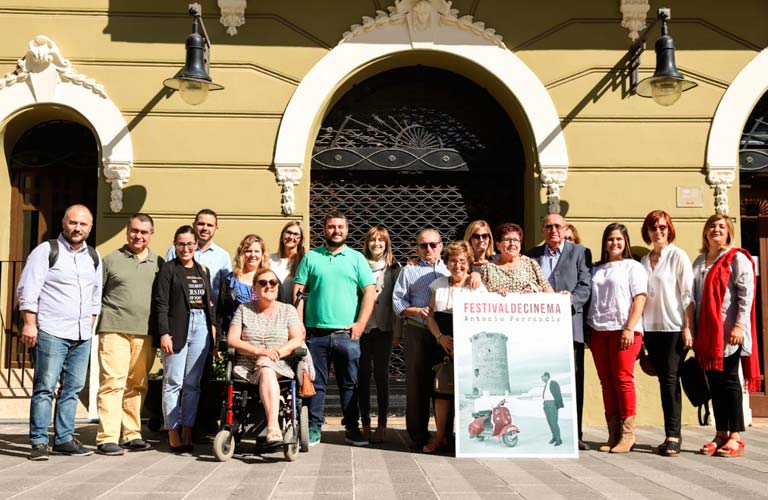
(666, 91)
(193, 92)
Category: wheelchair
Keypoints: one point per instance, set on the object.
(243, 416)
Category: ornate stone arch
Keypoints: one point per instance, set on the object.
(44, 76)
(732, 112)
(419, 25)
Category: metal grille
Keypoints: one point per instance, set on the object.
(402, 207)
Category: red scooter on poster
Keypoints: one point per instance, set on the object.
(497, 423)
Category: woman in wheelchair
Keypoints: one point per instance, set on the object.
(263, 333)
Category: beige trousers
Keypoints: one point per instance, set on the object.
(124, 362)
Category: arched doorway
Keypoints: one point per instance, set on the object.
(753, 182)
(416, 147)
(52, 165)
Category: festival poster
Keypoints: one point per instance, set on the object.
(505, 405)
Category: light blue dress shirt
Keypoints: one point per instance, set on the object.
(66, 296)
(549, 262)
(412, 286)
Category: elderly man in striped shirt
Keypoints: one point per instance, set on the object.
(410, 299)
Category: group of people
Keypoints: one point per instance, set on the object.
(356, 306)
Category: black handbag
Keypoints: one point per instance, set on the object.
(696, 387)
(444, 376)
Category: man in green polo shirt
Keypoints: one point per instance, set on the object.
(334, 275)
(126, 353)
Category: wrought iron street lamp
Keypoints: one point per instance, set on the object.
(667, 84)
(193, 82)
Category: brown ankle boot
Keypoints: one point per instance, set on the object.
(627, 441)
(614, 433)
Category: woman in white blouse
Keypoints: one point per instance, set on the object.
(667, 318)
(458, 257)
(619, 289)
(285, 261)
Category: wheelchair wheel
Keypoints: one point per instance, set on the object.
(223, 445)
(304, 429)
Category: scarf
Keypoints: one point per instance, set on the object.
(709, 341)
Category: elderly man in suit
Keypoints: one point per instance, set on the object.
(566, 266)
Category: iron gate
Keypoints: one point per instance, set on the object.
(411, 148)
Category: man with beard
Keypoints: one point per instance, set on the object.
(59, 297)
(335, 318)
(208, 253)
(126, 352)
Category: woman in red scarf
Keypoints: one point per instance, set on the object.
(724, 288)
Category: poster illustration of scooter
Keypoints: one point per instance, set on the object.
(514, 376)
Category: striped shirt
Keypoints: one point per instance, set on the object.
(412, 287)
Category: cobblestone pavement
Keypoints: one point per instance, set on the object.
(333, 470)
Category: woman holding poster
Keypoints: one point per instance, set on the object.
(619, 290)
(458, 258)
(512, 272)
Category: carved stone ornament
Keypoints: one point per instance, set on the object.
(422, 17)
(553, 178)
(633, 14)
(720, 180)
(46, 67)
(232, 15)
(40, 72)
(288, 178)
(117, 175)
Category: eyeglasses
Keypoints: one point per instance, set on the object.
(292, 234)
(134, 231)
(431, 244)
(481, 236)
(189, 244)
(516, 241)
(660, 227)
(550, 227)
(570, 238)
(458, 262)
(272, 282)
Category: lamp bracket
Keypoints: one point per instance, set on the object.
(636, 49)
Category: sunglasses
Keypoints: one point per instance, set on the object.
(272, 282)
(483, 236)
(431, 244)
(659, 227)
(550, 227)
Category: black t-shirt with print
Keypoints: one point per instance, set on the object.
(196, 287)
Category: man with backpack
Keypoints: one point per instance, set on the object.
(59, 297)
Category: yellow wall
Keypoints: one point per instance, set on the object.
(627, 154)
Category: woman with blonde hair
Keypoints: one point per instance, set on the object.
(724, 293)
(286, 260)
(237, 287)
(480, 238)
(376, 341)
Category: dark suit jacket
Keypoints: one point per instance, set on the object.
(554, 388)
(172, 302)
(572, 274)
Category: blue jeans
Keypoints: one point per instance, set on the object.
(345, 354)
(56, 359)
(182, 372)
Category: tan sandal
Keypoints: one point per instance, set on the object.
(274, 435)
